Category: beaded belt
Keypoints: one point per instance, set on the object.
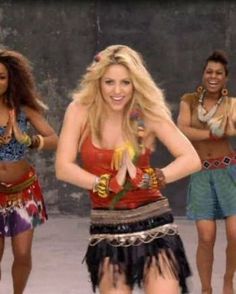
(7, 188)
(100, 216)
(132, 227)
(220, 162)
(134, 239)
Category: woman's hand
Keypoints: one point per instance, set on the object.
(122, 171)
(18, 134)
(8, 132)
(131, 168)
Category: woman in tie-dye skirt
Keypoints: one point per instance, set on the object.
(21, 200)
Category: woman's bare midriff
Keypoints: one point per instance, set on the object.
(11, 171)
(213, 149)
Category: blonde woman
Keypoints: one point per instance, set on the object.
(208, 119)
(117, 113)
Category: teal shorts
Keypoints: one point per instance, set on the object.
(212, 194)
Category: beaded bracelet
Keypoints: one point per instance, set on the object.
(141, 179)
(153, 178)
(157, 178)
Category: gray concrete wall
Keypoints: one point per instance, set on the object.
(61, 38)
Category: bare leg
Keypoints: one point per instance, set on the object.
(107, 286)
(2, 244)
(161, 283)
(206, 239)
(230, 225)
(21, 247)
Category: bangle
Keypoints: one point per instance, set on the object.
(137, 180)
(103, 185)
(157, 178)
(95, 184)
(25, 140)
(141, 180)
(41, 142)
(161, 179)
(153, 178)
(114, 186)
(34, 142)
(37, 142)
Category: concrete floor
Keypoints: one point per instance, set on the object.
(59, 248)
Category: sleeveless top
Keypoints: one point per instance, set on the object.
(192, 100)
(225, 111)
(98, 161)
(14, 151)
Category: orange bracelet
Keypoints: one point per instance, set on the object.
(138, 179)
(114, 186)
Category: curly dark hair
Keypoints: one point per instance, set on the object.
(218, 56)
(21, 89)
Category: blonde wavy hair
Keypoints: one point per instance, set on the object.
(147, 95)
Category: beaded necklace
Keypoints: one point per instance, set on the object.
(203, 114)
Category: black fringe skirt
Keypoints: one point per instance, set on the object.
(132, 239)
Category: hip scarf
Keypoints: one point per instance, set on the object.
(131, 238)
(21, 205)
(220, 162)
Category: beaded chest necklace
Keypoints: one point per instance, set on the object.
(203, 114)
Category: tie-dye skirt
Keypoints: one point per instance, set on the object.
(212, 191)
(21, 205)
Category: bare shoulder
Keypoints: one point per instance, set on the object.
(30, 112)
(77, 110)
(153, 125)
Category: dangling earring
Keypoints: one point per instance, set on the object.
(224, 92)
(200, 89)
(200, 92)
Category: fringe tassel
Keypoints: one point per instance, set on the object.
(133, 261)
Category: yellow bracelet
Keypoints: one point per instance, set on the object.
(103, 185)
(25, 140)
(154, 182)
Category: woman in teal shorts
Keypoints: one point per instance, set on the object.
(208, 118)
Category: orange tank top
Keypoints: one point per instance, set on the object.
(98, 161)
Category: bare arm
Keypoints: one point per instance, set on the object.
(231, 123)
(184, 124)
(186, 159)
(41, 125)
(67, 169)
